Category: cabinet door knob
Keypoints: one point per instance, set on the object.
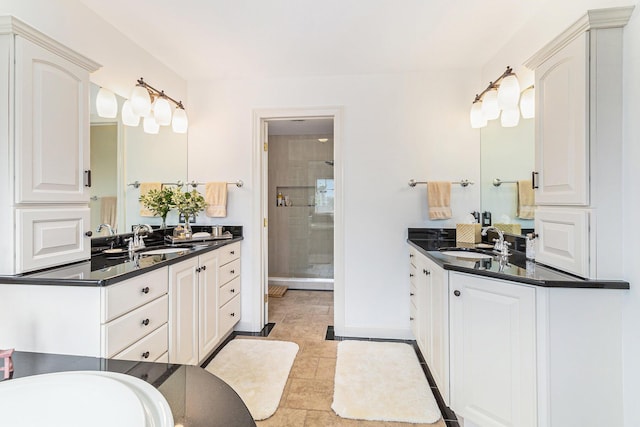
(410, 255)
(145, 322)
(89, 233)
(411, 294)
(233, 291)
(410, 274)
(411, 318)
(233, 252)
(198, 270)
(456, 293)
(145, 290)
(204, 267)
(427, 272)
(233, 272)
(233, 315)
(145, 355)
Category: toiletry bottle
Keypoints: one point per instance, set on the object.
(530, 250)
(279, 199)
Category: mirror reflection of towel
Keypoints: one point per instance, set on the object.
(216, 198)
(108, 211)
(145, 187)
(439, 199)
(526, 200)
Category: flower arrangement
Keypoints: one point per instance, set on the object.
(189, 203)
(160, 202)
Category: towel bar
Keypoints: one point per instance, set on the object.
(462, 182)
(239, 183)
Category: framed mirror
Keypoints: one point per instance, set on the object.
(123, 155)
(506, 154)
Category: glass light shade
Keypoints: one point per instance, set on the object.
(528, 103)
(140, 101)
(128, 118)
(106, 104)
(150, 125)
(476, 116)
(509, 92)
(490, 107)
(162, 111)
(510, 117)
(180, 123)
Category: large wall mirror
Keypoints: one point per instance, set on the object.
(122, 155)
(506, 154)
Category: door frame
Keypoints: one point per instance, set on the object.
(261, 200)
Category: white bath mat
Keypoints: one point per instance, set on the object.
(257, 370)
(382, 381)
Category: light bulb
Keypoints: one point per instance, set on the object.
(510, 117)
(476, 116)
(490, 107)
(180, 123)
(128, 118)
(140, 101)
(162, 111)
(528, 103)
(150, 125)
(509, 92)
(106, 104)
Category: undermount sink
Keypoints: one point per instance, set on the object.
(83, 398)
(164, 251)
(466, 253)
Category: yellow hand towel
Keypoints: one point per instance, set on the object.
(439, 199)
(216, 198)
(526, 200)
(145, 187)
(108, 210)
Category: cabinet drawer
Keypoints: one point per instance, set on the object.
(125, 296)
(149, 348)
(125, 330)
(229, 291)
(228, 272)
(228, 253)
(229, 315)
(47, 237)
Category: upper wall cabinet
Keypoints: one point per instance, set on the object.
(579, 145)
(44, 128)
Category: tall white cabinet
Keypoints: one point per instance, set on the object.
(44, 128)
(579, 146)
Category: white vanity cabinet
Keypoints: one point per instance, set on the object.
(204, 303)
(493, 349)
(429, 316)
(578, 81)
(44, 126)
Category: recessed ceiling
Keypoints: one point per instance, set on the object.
(229, 39)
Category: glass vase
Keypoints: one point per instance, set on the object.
(188, 233)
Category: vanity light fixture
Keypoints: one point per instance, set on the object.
(500, 99)
(106, 104)
(527, 102)
(323, 139)
(149, 102)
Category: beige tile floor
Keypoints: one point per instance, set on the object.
(303, 317)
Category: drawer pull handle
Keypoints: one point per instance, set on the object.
(410, 274)
(232, 291)
(410, 255)
(411, 318)
(145, 355)
(233, 252)
(233, 315)
(456, 293)
(145, 322)
(411, 294)
(232, 272)
(145, 290)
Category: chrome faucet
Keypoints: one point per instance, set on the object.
(111, 230)
(500, 244)
(137, 242)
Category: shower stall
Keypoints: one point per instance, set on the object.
(301, 195)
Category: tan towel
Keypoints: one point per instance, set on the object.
(216, 198)
(108, 211)
(145, 187)
(439, 199)
(526, 200)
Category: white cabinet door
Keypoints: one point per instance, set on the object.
(562, 145)
(438, 339)
(563, 239)
(208, 303)
(51, 126)
(51, 236)
(183, 312)
(493, 372)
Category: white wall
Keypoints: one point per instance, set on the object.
(74, 25)
(395, 127)
(533, 36)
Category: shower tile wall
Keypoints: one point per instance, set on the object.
(301, 235)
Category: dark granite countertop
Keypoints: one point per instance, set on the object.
(197, 398)
(103, 270)
(518, 269)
